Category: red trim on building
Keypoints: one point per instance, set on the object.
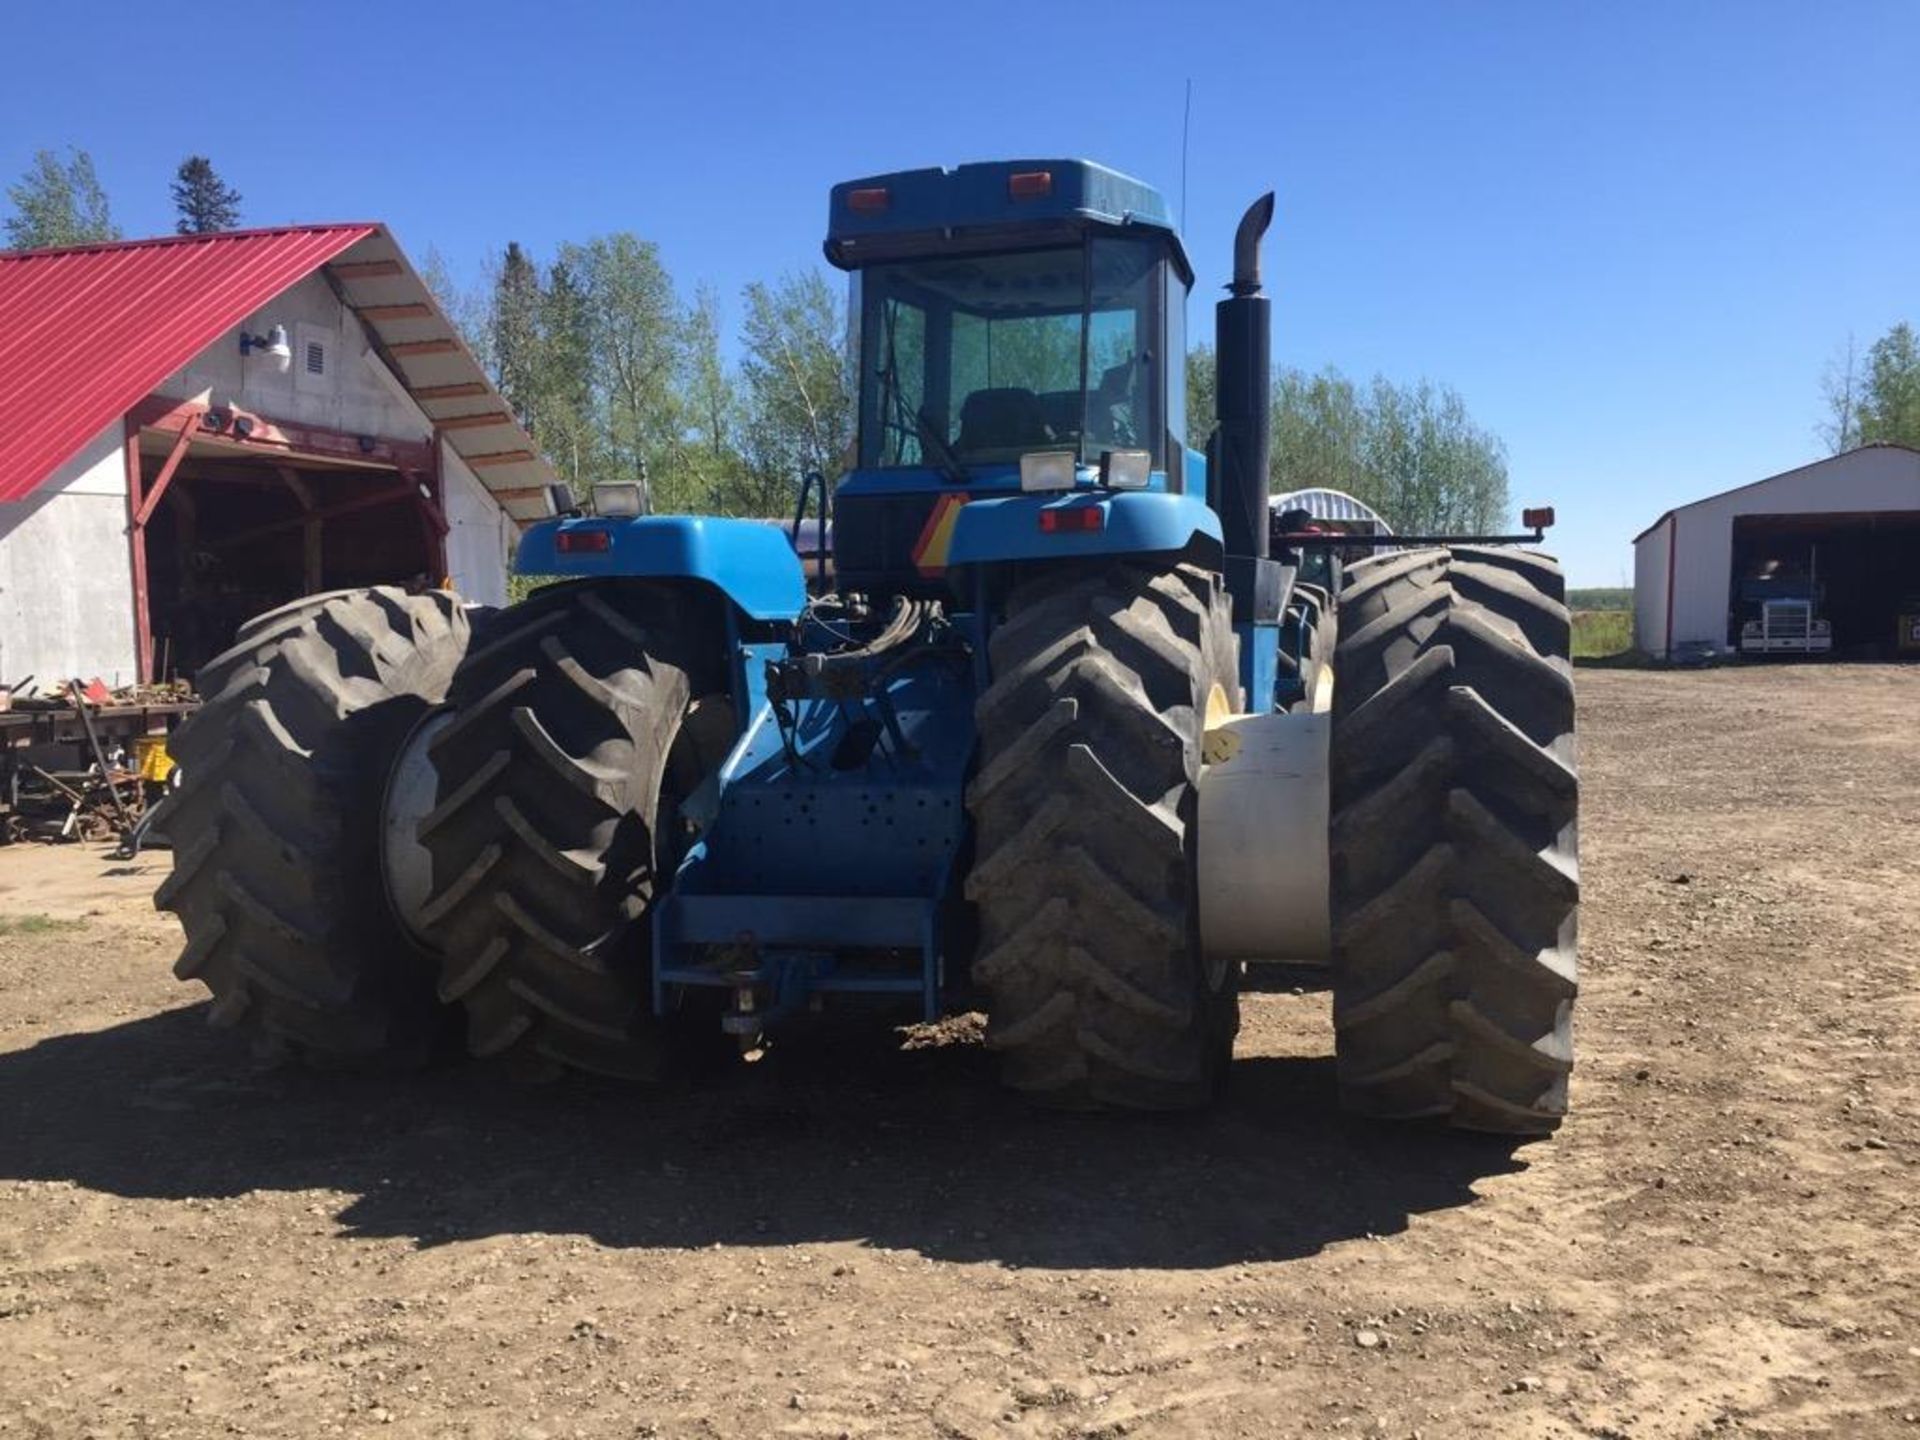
(1673, 546)
(417, 462)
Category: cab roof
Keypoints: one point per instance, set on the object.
(991, 205)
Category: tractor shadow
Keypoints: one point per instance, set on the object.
(907, 1149)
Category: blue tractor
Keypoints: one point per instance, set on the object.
(1059, 722)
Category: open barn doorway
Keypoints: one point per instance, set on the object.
(1861, 571)
(238, 528)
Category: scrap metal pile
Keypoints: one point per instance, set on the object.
(79, 761)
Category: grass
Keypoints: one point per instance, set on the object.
(35, 925)
(1598, 634)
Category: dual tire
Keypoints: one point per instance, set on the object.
(581, 719)
(1084, 806)
(1454, 843)
(275, 828)
(573, 726)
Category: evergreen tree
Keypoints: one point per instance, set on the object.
(517, 306)
(59, 203)
(206, 202)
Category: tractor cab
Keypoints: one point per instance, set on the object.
(1008, 316)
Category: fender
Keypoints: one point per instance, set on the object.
(1132, 522)
(750, 562)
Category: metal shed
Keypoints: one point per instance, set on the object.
(195, 428)
(1845, 530)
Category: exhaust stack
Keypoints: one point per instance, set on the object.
(1243, 390)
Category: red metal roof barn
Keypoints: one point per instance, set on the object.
(196, 428)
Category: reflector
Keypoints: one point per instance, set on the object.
(1071, 519)
(867, 201)
(1030, 185)
(583, 542)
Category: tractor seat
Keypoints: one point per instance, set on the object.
(1063, 410)
(1001, 424)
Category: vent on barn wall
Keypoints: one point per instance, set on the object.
(313, 359)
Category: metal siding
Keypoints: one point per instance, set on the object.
(1651, 562)
(86, 333)
(66, 583)
(1871, 478)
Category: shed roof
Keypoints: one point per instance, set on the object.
(87, 332)
(1666, 515)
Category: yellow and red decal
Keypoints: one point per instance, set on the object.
(936, 536)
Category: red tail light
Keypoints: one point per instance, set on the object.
(1538, 519)
(1030, 185)
(583, 542)
(1067, 521)
(869, 201)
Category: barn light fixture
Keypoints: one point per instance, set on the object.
(273, 344)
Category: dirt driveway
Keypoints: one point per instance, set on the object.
(849, 1241)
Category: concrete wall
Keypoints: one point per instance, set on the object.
(66, 579)
(1875, 477)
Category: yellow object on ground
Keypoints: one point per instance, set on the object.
(151, 758)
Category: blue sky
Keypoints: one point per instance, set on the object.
(1632, 235)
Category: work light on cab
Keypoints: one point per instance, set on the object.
(617, 497)
(1048, 470)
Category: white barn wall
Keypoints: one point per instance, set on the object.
(480, 536)
(1650, 554)
(66, 578)
(1876, 477)
(357, 396)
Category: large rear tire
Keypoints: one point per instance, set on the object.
(590, 712)
(1084, 808)
(1455, 839)
(275, 828)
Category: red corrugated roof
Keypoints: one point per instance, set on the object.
(86, 333)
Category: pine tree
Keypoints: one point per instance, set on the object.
(517, 341)
(206, 202)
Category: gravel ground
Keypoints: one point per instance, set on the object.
(869, 1241)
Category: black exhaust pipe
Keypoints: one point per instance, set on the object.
(1243, 391)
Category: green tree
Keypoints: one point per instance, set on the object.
(1889, 403)
(711, 413)
(1414, 453)
(59, 203)
(637, 336)
(567, 402)
(515, 327)
(1202, 395)
(206, 202)
(1320, 435)
(796, 388)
